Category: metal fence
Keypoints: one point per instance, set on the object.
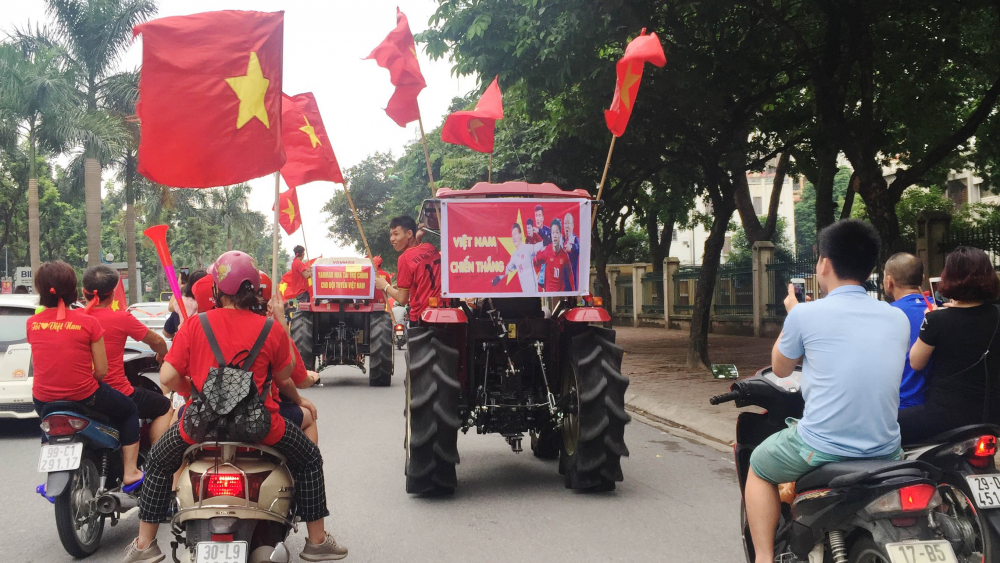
(780, 274)
(685, 281)
(985, 237)
(734, 292)
(652, 293)
(623, 294)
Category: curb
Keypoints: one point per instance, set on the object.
(688, 419)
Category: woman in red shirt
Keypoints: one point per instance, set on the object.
(236, 327)
(69, 362)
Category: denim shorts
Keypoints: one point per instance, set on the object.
(783, 457)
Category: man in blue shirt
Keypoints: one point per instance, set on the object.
(852, 349)
(901, 281)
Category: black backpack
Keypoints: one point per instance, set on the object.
(228, 408)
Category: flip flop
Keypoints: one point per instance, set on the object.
(40, 489)
(134, 486)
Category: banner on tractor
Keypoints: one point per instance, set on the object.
(515, 247)
(343, 279)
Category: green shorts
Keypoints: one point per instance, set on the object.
(783, 457)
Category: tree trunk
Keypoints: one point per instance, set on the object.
(92, 190)
(826, 170)
(130, 250)
(701, 317)
(601, 267)
(881, 211)
(659, 240)
(852, 190)
(34, 226)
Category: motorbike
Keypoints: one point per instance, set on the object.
(81, 456)
(399, 335)
(233, 505)
(864, 511)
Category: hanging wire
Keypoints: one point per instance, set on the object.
(514, 149)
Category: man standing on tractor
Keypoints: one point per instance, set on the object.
(418, 270)
(300, 274)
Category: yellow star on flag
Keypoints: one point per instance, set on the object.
(250, 89)
(508, 244)
(631, 78)
(475, 124)
(115, 306)
(308, 130)
(290, 210)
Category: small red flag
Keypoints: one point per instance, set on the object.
(398, 53)
(210, 98)
(642, 49)
(288, 211)
(310, 154)
(475, 128)
(119, 302)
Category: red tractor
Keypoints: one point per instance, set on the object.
(350, 324)
(516, 345)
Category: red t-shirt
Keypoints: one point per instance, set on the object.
(236, 331)
(558, 269)
(118, 327)
(419, 270)
(298, 284)
(298, 374)
(61, 359)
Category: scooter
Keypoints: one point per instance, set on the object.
(233, 505)
(81, 456)
(400, 335)
(855, 511)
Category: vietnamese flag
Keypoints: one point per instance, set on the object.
(310, 154)
(289, 216)
(398, 53)
(119, 302)
(642, 49)
(210, 98)
(475, 128)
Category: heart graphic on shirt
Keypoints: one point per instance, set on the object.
(45, 325)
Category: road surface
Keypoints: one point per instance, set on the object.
(679, 501)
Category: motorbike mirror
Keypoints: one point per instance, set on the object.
(725, 371)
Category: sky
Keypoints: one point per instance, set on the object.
(325, 42)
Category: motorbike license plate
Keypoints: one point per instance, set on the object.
(921, 552)
(221, 552)
(64, 457)
(985, 490)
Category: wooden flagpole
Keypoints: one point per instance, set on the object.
(427, 153)
(276, 235)
(304, 243)
(357, 220)
(604, 176)
(489, 171)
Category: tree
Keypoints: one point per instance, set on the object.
(231, 211)
(96, 33)
(742, 252)
(806, 214)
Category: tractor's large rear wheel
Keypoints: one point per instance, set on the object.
(432, 421)
(380, 350)
(594, 427)
(302, 336)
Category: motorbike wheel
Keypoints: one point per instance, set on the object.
(79, 524)
(546, 444)
(987, 548)
(302, 335)
(594, 428)
(432, 422)
(380, 357)
(865, 550)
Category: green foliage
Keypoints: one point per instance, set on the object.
(742, 250)
(805, 211)
(633, 247)
(914, 201)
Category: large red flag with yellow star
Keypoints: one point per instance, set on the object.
(475, 128)
(210, 98)
(642, 49)
(310, 154)
(398, 53)
(119, 302)
(289, 216)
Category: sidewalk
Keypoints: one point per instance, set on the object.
(664, 389)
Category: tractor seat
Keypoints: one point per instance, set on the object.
(78, 408)
(820, 477)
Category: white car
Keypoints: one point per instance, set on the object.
(15, 356)
(153, 314)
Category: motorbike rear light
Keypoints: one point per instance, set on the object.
(399, 329)
(225, 485)
(986, 446)
(63, 425)
(222, 537)
(914, 498)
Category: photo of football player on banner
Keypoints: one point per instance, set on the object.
(515, 247)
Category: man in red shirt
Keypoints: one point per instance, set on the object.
(299, 282)
(418, 270)
(558, 266)
(119, 326)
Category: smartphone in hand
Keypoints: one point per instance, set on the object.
(799, 285)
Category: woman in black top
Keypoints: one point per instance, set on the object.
(959, 343)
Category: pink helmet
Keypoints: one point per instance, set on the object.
(232, 269)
